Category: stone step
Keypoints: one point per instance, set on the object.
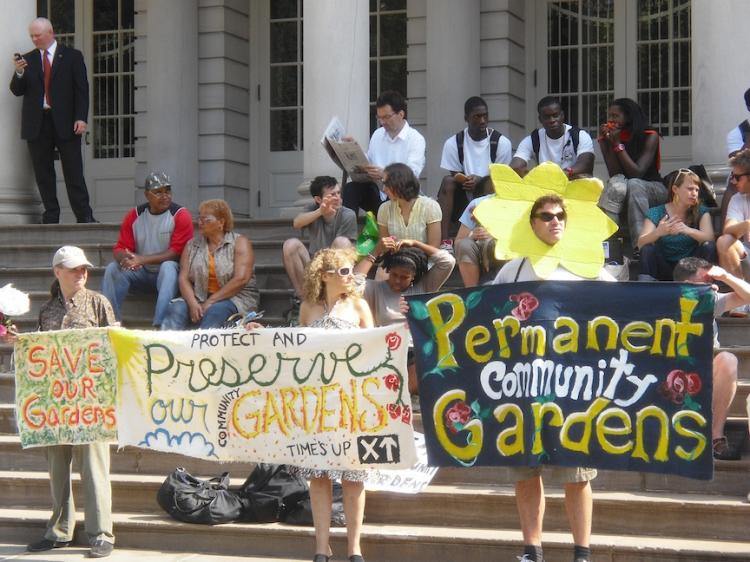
(121, 554)
(623, 513)
(254, 229)
(267, 252)
(733, 331)
(31, 279)
(380, 542)
(274, 301)
(128, 460)
(730, 477)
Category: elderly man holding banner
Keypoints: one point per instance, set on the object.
(72, 305)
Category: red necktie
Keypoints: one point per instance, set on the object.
(47, 76)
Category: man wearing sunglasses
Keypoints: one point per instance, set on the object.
(548, 219)
(147, 253)
(732, 246)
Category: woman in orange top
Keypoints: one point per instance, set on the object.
(216, 273)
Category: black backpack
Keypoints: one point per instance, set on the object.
(575, 133)
(494, 139)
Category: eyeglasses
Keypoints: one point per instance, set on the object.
(385, 117)
(207, 218)
(342, 271)
(547, 217)
(736, 177)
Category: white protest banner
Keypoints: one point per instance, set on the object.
(305, 396)
(410, 481)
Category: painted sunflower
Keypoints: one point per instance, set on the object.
(506, 218)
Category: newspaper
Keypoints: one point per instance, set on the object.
(347, 154)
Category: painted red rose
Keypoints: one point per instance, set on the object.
(393, 340)
(392, 382)
(394, 410)
(458, 413)
(527, 303)
(406, 415)
(678, 384)
(694, 384)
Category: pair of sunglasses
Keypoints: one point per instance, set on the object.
(547, 217)
(342, 271)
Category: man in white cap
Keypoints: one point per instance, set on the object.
(72, 305)
(147, 253)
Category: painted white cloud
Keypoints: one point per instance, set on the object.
(186, 443)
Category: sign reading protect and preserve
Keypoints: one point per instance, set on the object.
(310, 397)
(585, 373)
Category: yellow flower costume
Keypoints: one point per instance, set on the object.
(506, 218)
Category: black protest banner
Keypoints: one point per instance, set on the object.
(585, 373)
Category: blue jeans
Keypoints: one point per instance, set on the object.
(119, 282)
(178, 315)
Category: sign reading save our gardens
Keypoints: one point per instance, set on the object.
(299, 396)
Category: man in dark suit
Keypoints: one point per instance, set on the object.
(52, 80)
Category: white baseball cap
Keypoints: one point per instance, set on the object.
(70, 257)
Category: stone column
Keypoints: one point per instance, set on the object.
(720, 76)
(337, 79)
(452, 76)
(19, 196)
(172, 95)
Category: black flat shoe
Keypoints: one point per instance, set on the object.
(46, 544)
(356, 558)
(321, 558)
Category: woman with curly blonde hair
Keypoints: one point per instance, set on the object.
(331, 301)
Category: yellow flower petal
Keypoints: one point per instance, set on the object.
(506, 218)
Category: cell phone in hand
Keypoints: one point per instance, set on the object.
(17, 56)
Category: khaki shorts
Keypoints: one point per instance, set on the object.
(564, 474)
(481, 253)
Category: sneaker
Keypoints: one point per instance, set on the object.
(46, 544)
(722, 450)
(525, 558)
(101, 549)
(447, 245)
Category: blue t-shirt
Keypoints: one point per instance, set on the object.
(673, 247)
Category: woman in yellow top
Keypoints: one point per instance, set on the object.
(408, 215)
(216, 273)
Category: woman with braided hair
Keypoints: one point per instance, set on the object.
(406, 265)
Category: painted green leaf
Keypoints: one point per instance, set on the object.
(473, 300)
(458, 426)
(435, 371)
(418, 310)
(475, 407)
(428, 347)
